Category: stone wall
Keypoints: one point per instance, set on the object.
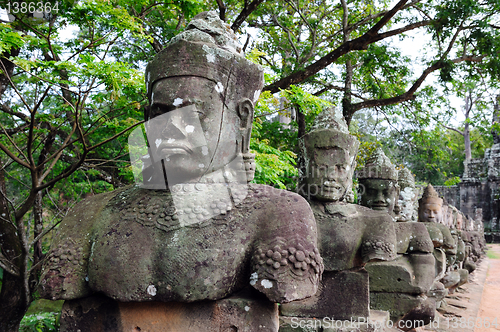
(478, 195)
(451, 194)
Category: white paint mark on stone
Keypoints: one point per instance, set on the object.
(151, 290)
(201, 165)
(152, 97)
(149, 180)
(219, 87)
(266, 283)
(253, 278)
(178, 101)
(189, 128)
(170, 140)
(158, 142)
(247, 308)
(204, 150)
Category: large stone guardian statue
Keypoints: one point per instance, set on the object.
(349, 235)
(194, 229)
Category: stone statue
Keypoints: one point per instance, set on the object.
(430, 213)
(379, 182)
(445, 245)
(399, 286)
(349, 235)
(407, 205)
(194, 229)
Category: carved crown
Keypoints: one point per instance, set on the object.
(208, 48)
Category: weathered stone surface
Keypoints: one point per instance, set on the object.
(404, 306)
(351, 235)
(413, 237)
(411, 274)
(450, 279)
(407, 206)
(438, 293)
(203, 261)
(341, 295)
(236, 313)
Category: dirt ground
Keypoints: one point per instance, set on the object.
(475, 304)
(489, 310)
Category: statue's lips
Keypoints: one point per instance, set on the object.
(379, 207)
(174, 149)
(331, 188)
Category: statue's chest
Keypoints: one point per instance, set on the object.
(149, 240)
(339, 239)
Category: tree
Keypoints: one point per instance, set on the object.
(62, 103)
(478, 90)
(347, 49)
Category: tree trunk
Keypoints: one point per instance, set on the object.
(13, 303)
(468, 107)
(468, 153)
(301, 121)
(347, 109)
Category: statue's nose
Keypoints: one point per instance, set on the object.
(380, 197)
(172, 130)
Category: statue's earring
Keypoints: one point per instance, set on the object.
(249, 162)
(245, 112)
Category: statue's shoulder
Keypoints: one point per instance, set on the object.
(356, 211)
(278, 200)
(85, 212)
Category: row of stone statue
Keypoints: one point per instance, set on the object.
(195, 229)
(411, 265)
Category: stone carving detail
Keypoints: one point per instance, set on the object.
(287, 256)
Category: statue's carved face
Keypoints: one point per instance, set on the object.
(430, 212)
(329, 174)
(190, 127)
(379, 194)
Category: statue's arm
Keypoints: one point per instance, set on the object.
(379, 238)
(286, 264)
(64, 273)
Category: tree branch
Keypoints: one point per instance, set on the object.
(247, 10)
(222, 10)
(360, 43)
(454, 129)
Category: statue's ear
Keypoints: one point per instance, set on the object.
(245, 112)
(146, 109)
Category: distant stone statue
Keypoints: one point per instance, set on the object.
(398, 286)
(407, 207)
(379, 182)
(194, 228)
(349, 235)
(445, 245)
